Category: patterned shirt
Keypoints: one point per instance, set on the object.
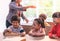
(18, 30)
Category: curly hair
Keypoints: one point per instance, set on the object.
(15, 18)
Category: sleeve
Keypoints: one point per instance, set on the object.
(52, 32)
(13, 6)
(21, 30)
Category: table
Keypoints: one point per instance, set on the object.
(46, 38)
(16, 38)
(29, 38)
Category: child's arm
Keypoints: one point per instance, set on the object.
(12, 34)
(54, 36)
(40, 34)
(43, 32)
(31, 32)
(22, 33)
(52, 33)
(8, 32)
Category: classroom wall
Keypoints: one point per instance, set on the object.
(4, 8)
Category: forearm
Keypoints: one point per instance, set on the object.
(32, 34)
(54, 36)
(41, 34)
(11, 34)
(22, 15)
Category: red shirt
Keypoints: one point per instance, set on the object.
(55, 30)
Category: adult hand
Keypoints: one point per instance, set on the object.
(31, 6)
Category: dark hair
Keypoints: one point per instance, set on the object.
(56, 15)
(15, 18)
(12, 0)
(40, 22)
(43, 16)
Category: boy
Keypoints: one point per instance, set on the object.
(15, 29)
(55, 31)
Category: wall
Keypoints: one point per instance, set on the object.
(3, 13)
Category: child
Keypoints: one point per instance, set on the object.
(37, 30)
(15, 29)
(55, 31)
(15, 8)
(43, 16)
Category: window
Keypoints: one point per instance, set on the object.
(42, 6)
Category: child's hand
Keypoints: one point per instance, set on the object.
(55, 37)
(30, 33)
(23, 34)
(8, 30)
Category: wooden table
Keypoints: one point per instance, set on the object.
(29, 38)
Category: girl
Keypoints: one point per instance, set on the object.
(37, 30)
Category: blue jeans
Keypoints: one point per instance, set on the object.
(8, 24)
